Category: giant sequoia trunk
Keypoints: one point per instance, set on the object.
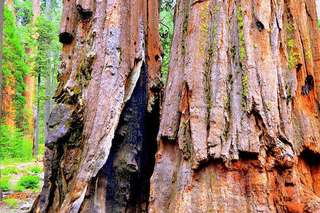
(102, 132)
(240, 127)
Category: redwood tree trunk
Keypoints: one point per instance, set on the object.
(8, 91)
(102, 133)
(240, 128)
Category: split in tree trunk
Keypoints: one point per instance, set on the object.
(101, 140)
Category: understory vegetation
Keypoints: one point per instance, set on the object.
(30, 51)
(166, 34)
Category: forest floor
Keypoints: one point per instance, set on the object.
(20, 183)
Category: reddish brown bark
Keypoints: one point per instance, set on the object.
(29, 95)
(240, 126)
(8, 107)
(7, 103)
(29, 80)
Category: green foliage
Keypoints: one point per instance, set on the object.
(12, 203)
(46, 55)
(9, 171)
(166, 34)
(13, 144)
(47, 35)
(242, 49)
(293, 56)
(4, 184)
(19, 188)
(245, 88)
(29, 182)
(36, 169)
(23, 36)
(23, 11)
(14, 60)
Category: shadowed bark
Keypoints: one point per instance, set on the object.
(101, 140)
(240, 126)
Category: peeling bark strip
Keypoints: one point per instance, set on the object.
(102, 133)
(240, 125)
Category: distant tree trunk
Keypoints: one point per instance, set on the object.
(48, 77)
(1, 74)
(8, 91)
(31, 86)
(9, 4)
(1, 46)
(8, 103)
(48, 94)
(101, 140)
(36, 112)
(240, 127)
(29, 96)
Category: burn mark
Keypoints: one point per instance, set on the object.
(259, 25)
(131, 159)
(157, 57)
(312, 158)
(298, 67)
(248, 155)
(308, 85)
(65, 37)
(85, 14)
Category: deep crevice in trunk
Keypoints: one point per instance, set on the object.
(131, 160)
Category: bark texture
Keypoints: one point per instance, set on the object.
(8, 109)
(102, 132)
(240, 127)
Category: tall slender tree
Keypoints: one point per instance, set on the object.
(240, 127)
(9, 81)
(1, 74)
(32, 84)
(1, 45)
(48, 75)
(102, 133)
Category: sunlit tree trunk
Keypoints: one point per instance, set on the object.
(37, 86)
(101, 140)
(29, 93)
(9, 4)
(240, 126)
